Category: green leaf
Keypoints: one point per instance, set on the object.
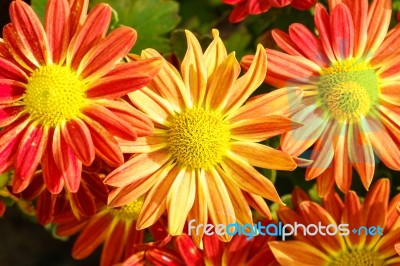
(152, 19)
(40, 8)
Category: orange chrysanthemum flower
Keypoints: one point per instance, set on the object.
(114, 228)
(58, 86)
(199, 161)
(356, 248)
(349, 75)
(244, 8)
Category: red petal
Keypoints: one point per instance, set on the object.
(57, 28)
(8, 114)
(78, 11)
(29, 154)
(101, 58)
(8, 70)
(93, 30)
(77, 136)
(32, 35)
(342, 26)
(52, 176)
(11, 91)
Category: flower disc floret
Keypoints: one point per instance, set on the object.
(54, 94)
(348, 89)
(130, 211)
(198, 138)
(358, 258)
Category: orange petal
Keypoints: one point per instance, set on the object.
(284, 42)
(249, 82)
(137, 167)
(219, 89)
(168, 83)
(114, 244)
(154, 204)
(92, 236)
(297, 253)
(322, 23)
(124, 195)
(341, 163)
(262, 156)
(193, 70)
(78, 14)
(258, 203)
(152, 104)
(278, 102)
(243, 175)
(214, 54)
(144, 144)
(259, 129)
(219, 204)
(180, 200)
(353, 216)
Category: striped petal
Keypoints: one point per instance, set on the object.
(57, 29)
(31, 33)
(78, 11)
(52, 176)
(262, 156)
(10, 113)
(215, 54)
(284, 42)
(29, 154)
(92, 31)
(259, 129)
(102, 57)
(77, 136)
(322, 23)
(114, 244)
(193, 70)
(180, 200)
(9, 70)
(11, 91)
(342, 27)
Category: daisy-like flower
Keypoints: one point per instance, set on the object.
(349, 75)
(199, 162)
(59, 89)
(377, 247)
(114, 228)
(244, 8)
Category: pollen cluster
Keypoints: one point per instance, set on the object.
(348, 89)
(54, 94)
(129, 211)
(358, 258)
(198, 138)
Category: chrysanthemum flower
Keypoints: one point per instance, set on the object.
(199, 163)
(377, 247)
(58, 92)
(244, 8)
(349, 75)
(114, 228)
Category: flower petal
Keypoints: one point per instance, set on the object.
(11, 91)
(322, 23)
(101, 58)
(31, 33)
(259, 129)
(77, 136)
(262, 156)
(180, 200)
(10, 113)
(57, 28)
(342, 27)
(8, 70)
(52, 176)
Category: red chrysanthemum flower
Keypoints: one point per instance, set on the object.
(377, 247)
(243, 8)
(349, 75)
(59, 89)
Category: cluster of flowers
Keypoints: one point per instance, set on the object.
(110, 144)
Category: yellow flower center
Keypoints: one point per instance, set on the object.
(54, 94)
(358, 258)
(348, 89)
(198, 138)
(130, 211)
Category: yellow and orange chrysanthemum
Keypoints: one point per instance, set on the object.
(199, 163)
(356, 248)
(59, 90)
(349, 74)
(114, 228)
